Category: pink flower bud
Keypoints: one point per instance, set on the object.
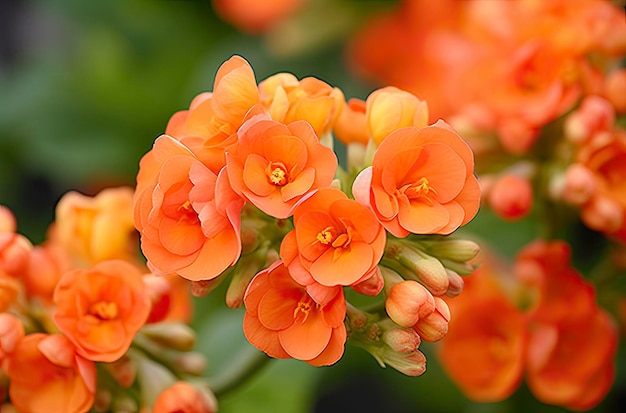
(511, 197)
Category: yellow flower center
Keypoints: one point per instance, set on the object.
(103, 310)
(326, 236)
(303, 308)
(277, 174)
(419, 189)
(187, 213)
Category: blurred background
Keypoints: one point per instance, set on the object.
(86, 87)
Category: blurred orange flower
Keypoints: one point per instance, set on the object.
(93, 229)
(336, 241)
(288, 99)
(188, 216)
(421, 181)
(46, 375)
(100, 309)
(283, 320)
(484, 351)
(208, 127)
(274, 165)
(253, 16)
(183, 397)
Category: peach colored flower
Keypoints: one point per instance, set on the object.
(46, 375)
(407, 302)
(208, 127)
(421, 181)
(336, 241)
(253, 16)
(390, 108)
(8, 224)
(484, 351)
(288, 99)
(283, 320)
(188, 217)
(183, 397)
(274, 166)
(100, 309)
(93, 229)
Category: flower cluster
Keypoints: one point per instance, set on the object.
(245, 186)
(538, 89)
(84, 325)
(531, 320)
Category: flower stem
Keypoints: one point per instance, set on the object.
(244, 365)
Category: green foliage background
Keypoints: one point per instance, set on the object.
(86, 87)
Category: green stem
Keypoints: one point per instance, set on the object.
(242, 368)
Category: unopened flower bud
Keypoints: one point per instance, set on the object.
(401, 340)
(123, 371)
(407, 302)
(185, 397)
(412, 364)
(434, 327)
(511, 197)
(459, 250)
(425, 269)
(243, 272)
(193, 363)
(102, 400)
(204, 287)
(455, 285)
(153, 378)
(175, 335)
(371, 286)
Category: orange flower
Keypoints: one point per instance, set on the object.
(100, 309)
(171, 298)
(390, 108)
(188, 216)
(565, 321)
(336, 241)
(283, 320)
(421, 181)
(288, 99)
(484, 349)
(15, 251)
(604, 156)
(183, 397)
(93, 229)
(274, 165)
(571, 363)
(253, 16)
(351, 125)
(209, 125)
(46, 375)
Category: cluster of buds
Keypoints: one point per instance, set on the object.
(84, 326)
(418, 275)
